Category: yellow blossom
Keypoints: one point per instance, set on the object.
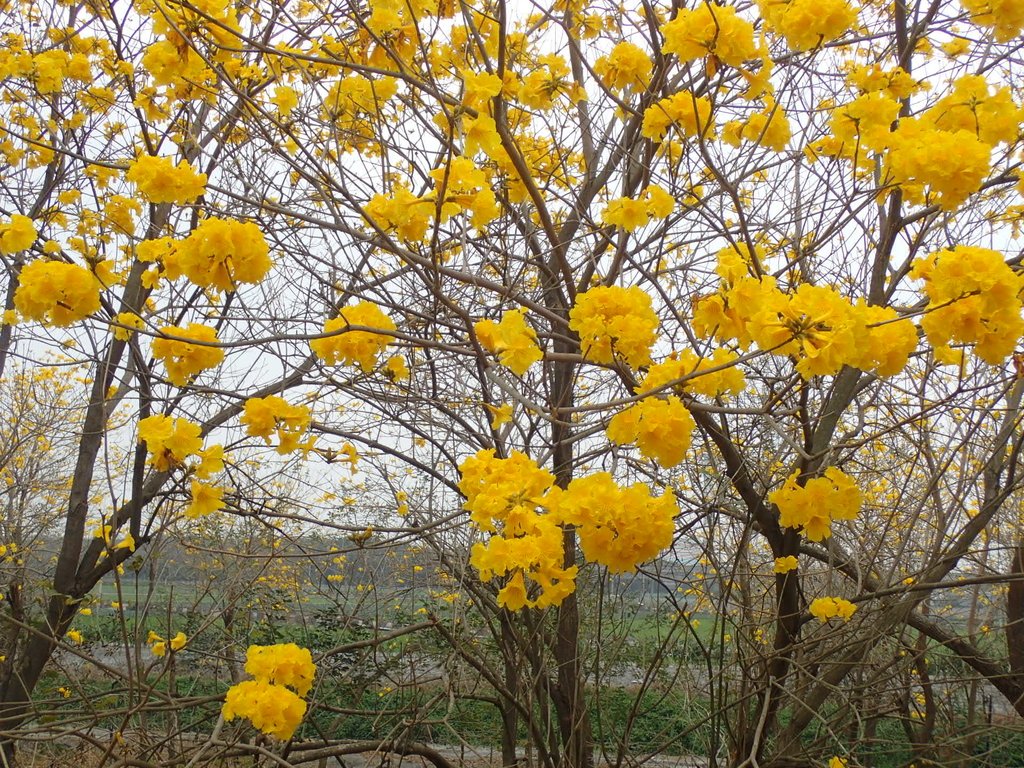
(220, 253)
(351, 346)
(206, 499)
(615, 323)
(512, 339)
(56, 293)
(807, 24)
(17, 235)
(160, 181)
(710, 30)
(661, 429)
(825, 608)
(169, 441)
(184, 359)
(785, 564)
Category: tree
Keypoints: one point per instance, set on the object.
(545, 292)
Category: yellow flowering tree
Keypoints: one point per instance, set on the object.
(723, 298)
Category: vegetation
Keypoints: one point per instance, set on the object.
(595, 381)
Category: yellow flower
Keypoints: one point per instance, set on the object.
(825, 608)
(285, 99)
(660, 203)
(206, 499)
(56, 293)
(74, 636)
(769, 128)
(283, 664)
(626, 213)
(500, 414)
(512, 339)
(396, 369)
(619, 527)
(688, 113)
(701, 378)
(973, 298)
(625, 65)
(169, 441)
(129, 321)
(710, 29)
(351, 346)
(273, 709)
(943, 166)
(266, 415)
(785, 564)
(160, 181)
(661, 429)
(614, 322)
(219, 253)
(807, 24)
(184, 359)
(1005, 17)
(17, 235)
(813, 506)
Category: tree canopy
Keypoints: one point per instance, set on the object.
(458, 324)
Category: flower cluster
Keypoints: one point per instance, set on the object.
(814, 325)
(618, 527)
(264, 416)
(688, 113)
(206, 499)
(716, 376)
(516, 500)
(503, 492)
(615, 323)
(56, 293)
(536, 553)
(807, 24)
(813, 506)
(625, 65)
(943, 154)
(50, 68)
(661, 429)
(895, 82)
(352, 103)
(220, 253)
(269, 702)
(463, 187)
(401, 212)
(994, 118)
(185, 359)
(169, 441)
(768, 128)
(17, 235)
(943, 166)
(283, 664)
(710, 30)
(512, 340)
(864, 124)
(159, 646)
(349, 346)
(1005, 17)
(825, 608)
(632, 213)
(785, 564)
(160, 181)
(974, 297)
